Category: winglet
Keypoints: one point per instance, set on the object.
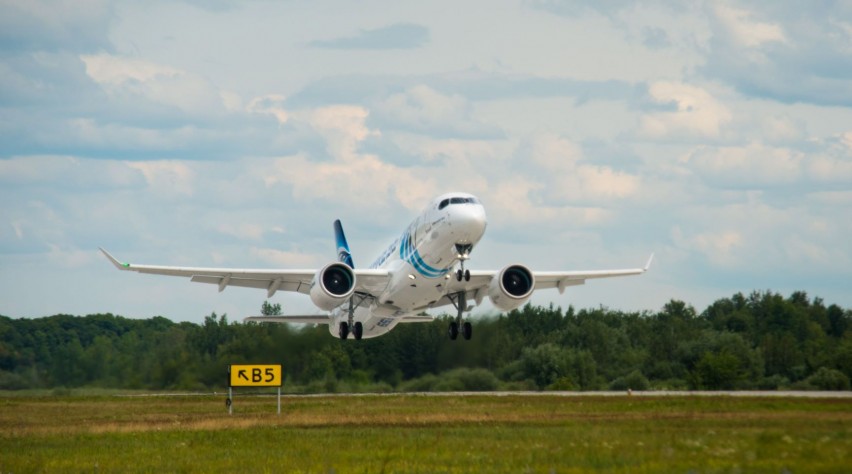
(648, 265)
(119, 265)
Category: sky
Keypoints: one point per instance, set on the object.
(716, 134)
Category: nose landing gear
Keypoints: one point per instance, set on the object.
(463, 253)
(462, 274)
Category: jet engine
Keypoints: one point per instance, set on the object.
(511, 287)
(332, 285)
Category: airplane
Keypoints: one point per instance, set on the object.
(423, 268)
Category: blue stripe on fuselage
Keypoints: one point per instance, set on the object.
(409, 254)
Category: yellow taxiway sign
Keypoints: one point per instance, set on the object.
(255, 375)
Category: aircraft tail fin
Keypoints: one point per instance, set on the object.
(343, 253)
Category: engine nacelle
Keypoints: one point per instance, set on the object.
(332, 285)
(512, 287)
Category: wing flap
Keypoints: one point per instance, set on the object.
(263, 284)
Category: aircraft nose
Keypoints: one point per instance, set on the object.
(470, 222)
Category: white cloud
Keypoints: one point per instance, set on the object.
(555, 153)
(754, 165)
(782, 129)
(343, 127)
(697, 112)
(123, 77)
(784, 51)
(272, 104)
(603, 182)
(115, 71)
(757, 165)
(282, 259)
(423, 109)
(66, 172)
(423, 105)
(718, 243)
(746, 30)
(569, 179)
(512, 201)
(831, 169)
(351, 177)
(166, 177)
(244, 231)
(69, 257)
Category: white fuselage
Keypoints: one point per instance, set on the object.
(420, 262)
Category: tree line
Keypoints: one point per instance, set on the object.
(760, 341)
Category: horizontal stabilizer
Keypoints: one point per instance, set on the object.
(301, 319)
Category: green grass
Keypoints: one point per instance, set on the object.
(399, 433)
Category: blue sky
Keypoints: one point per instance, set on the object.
(716, 134)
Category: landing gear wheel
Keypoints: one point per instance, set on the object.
(460, 275)
(343, 330)
(467, 331)
(466, 275)
(454, 330)
(358, 331)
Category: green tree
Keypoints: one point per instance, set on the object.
(270, 309)
(543, 364)
(829, 379)
(719, 371)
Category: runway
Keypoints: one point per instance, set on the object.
(667, 393)
(649, 393)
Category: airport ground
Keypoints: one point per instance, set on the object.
(508, 432)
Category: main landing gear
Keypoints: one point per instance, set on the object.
(356, 327)
(357, 330)
(466, 330)
(460, 302)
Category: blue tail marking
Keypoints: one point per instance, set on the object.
(343, 254)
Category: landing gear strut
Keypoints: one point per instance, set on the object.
(356, 327)
(459, 300)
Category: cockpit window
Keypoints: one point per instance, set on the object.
(458, 200)
(464, 200)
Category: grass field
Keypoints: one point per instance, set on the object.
(410, 433)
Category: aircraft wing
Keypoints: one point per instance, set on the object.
(366, 281)
(477, 288)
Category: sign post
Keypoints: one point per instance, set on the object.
(253, 375)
